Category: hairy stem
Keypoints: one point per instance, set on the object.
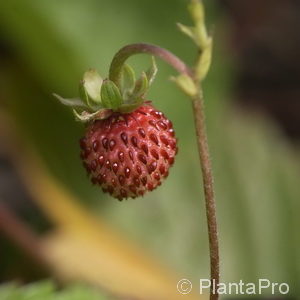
(114, 74)
(208, 183)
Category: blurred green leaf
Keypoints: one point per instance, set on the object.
(46, 290)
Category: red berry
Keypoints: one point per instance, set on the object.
(129, 154)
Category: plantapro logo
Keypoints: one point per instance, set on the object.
(242, 288)
(262, 286)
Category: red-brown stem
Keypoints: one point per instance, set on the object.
(123, 54)
(199, 117)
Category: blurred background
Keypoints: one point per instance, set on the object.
(67, 239)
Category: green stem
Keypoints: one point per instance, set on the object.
(114, 74)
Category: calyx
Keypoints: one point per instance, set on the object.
(99, 98)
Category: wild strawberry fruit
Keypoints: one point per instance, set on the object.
(129, 145)
(129, 154)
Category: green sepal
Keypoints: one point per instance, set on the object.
(204, 61)
(74, 103)
(127, 108)
(203, 41)
(141, 87)
(196, 9)
(110, 95)
(189, 31)
(152, 71)
(127, 80)
(186, 84)
(136, 89)
(89, 87)
(87, 117)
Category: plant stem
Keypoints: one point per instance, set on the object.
(210, 204)
(114, 74)
(123, 54)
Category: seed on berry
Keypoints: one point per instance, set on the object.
(134, 141)
(124, 138)
(144, 147)
(152, 123)
(121, 156)
(103, 178)
(150, 186)
(152, 167)
(162, 169)
(95, 145)
(162, 125)
(136, 181)
(107, 164)
(130, 155)
(144, 180)
(114, 182)
(156, 114)
(142, 158)
(101, 160)
(105, 143)
(138, 169)
(156, 176)
(127, 172)
(112, 144)
(164, 154)
(164, 139)
(94, 165)
(171, 132)
(141, 132)
(153, 138)
(115, 167)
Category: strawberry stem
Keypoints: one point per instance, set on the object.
(199, 116)
(123, 54)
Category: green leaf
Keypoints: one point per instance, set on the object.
(90, 86)
(110, 95)
(46, 290)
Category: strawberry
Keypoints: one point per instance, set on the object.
(129, 154)
(128, 145)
